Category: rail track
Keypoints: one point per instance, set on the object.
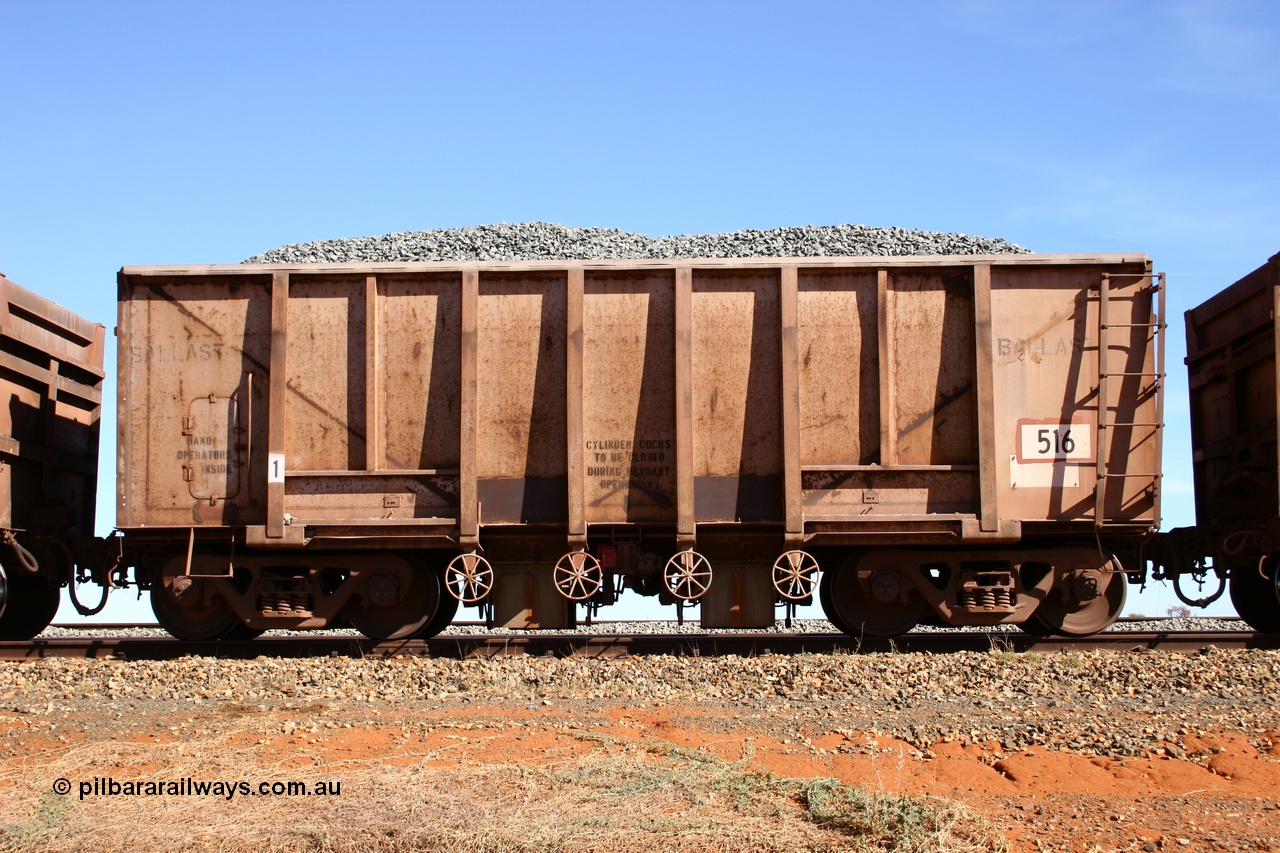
(621, 645)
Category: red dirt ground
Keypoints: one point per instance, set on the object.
(1043, 800)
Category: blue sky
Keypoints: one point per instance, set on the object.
(137, 133)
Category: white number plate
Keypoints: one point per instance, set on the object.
(1054, 441)
(275, 467)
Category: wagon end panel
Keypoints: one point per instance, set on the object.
(255, 399)
(51, 385)
(194, 357)
(1077, 394)
(1232, 377)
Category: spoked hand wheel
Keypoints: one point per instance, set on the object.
(687, 575)
(795, 575)
(469, 578)
(578, 576)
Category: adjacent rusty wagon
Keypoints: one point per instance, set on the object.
(51, 388)
(962, 439)
(1232, 372)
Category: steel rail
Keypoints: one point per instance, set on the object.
(475, 623)
(622, 645)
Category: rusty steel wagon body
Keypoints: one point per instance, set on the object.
(962, 439)
(1232, 373)
(51, 388)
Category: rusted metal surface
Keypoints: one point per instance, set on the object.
(575, 454)
(629, 396)
(468, 487)
(278, 443)
(1233, 379)
(520, 400)
(1232, 340)
(737, 401)
(1048, 334)
(526, 410)
(789, 300)
(51, 384)
(1042, 352)
(51, 387)
(683, 404)
(989, 492)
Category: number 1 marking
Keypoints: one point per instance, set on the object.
(275, 467)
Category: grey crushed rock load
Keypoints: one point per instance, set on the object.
(530, 241)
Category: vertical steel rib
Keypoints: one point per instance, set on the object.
(789, 309)
(373, 368)
(988, 492)
(468, 506)
(277, 405)
(574, 295)
(685, 522)
(887, 355)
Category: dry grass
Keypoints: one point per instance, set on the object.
(617, 799)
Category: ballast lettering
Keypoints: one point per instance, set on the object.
(1037, 348)
(176, 353)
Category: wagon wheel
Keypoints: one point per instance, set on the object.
(469, 578)
(1255, 592)
(1079, 617)
(28, 606)
(687, 575)
(578, 576)
(875, 606)
(446, 606)
(794, 574)
(186, 608)
(406, 615)
(445, 611)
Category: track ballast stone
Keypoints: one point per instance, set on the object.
(532, 241)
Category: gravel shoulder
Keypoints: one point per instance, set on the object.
(1073, 751)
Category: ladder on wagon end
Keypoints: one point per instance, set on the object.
(1154, 287)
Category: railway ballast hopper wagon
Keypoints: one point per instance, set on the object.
(51, 391)
(1232, 377)
(962, 439)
